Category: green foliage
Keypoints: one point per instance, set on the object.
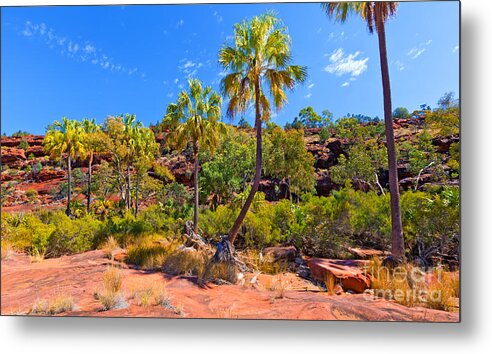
(23, 145)
(230, 170)
(20, 133)
(401, 112)
(445, 120)
(243, 124)
(287, 159)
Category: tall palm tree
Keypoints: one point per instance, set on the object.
(375, 14)
(195, 119)
(65, 137)
(259, 66)
(93, 142)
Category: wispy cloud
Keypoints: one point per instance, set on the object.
(180, 23)
(345, 84)
(418, 50)
(189, 67)
(82, 50)
(341, 64)
(399, 65)
(218, 17)
(310, 86)
(308, 95)
(456, 48)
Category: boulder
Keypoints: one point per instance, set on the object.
(281, 253)
(350, 273)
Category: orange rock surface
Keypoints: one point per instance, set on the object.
(80, 275)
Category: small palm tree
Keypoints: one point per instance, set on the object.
(375, 14)
(195, 119)
(260, 70)
(94, 142)
(65, 137)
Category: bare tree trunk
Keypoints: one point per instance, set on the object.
(397, 247)
(89, 183)
(69, 191)
(136, 194)
(127, 197)
(256, 182)
(195, 172)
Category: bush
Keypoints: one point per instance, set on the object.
(185, 262)
(149, 254)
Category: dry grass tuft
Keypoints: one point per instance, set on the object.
(185, 262)
(220, 273)
(110, 297)
(150, 254)
(58, 304)
(279, 286)
(410, 286)
(6, 250)
(264, 264)
(110, 247)
(37, 256)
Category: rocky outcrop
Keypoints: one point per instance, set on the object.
(348, 272)
(13, 156)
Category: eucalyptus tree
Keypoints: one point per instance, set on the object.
(65, 138)
(375, 14)
(259, 69)
(195, 119)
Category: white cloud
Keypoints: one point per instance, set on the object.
(456, 49)
(345, 84)
(341, 64)
(170, 94)
(189, 68)
(399, 65)
(180, 23)
(217, 16)
(308, 95)
(417, 51)
(85, 52)
(319, 30)
(310, 86)
(176, 80)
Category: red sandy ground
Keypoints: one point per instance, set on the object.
(79, 275)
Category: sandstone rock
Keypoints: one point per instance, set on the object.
(348, 272)
(281, 253)
(36, 151)
(12, 155)
(47, 175)
(367, 253)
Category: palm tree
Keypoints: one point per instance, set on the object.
(194, 119)
(259, 60)
(375, 14)
(130, 127)
(93, 142)
(65, 137)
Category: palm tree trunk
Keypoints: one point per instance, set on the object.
(89, 183)
(69, 188)
(397, 246)
(195, 214)
(256, 182)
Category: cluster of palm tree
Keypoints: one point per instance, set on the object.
(133, 145)
(259, 71)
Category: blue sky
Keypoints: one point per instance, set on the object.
(95, 61)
